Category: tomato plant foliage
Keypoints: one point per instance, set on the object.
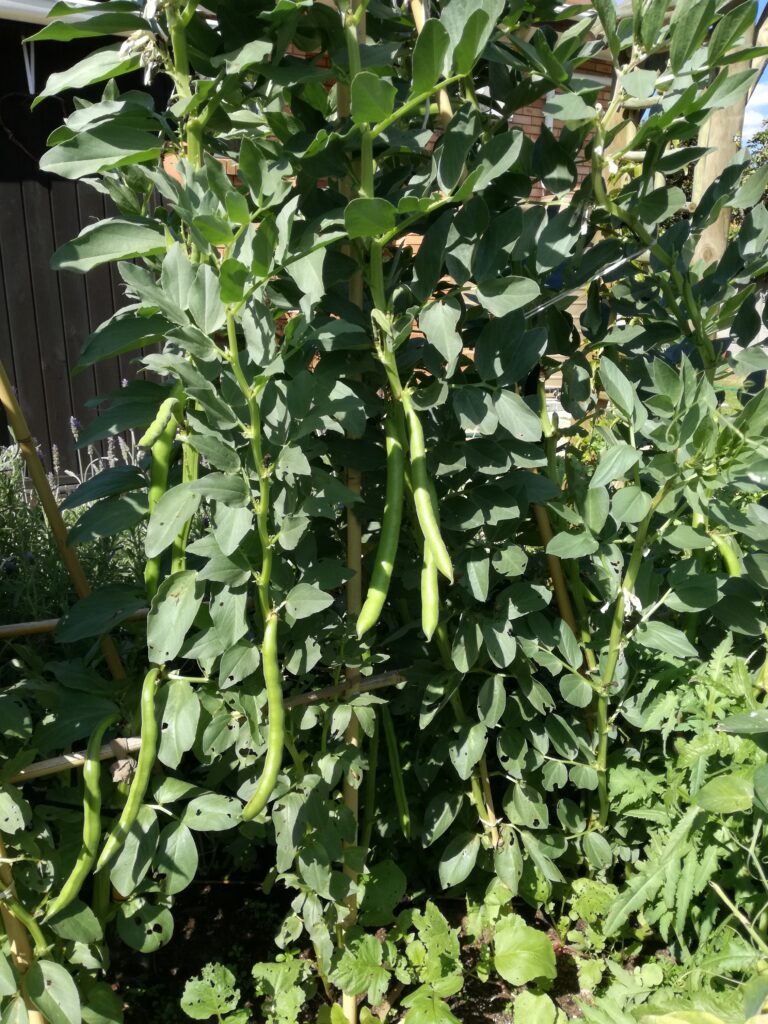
(352, 305)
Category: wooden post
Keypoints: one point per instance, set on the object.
(354, 586)
(23, 436)
(18, 937)
(445, 110)
(722, 132)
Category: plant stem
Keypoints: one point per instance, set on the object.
(614, 651)
(742, 918)
(190, 464)
(681, 281)
(262, 516)
(178, 35)
(480, 782)
(369, 807)
(396, 769)
(411, 105)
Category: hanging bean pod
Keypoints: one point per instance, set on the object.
(425, 510)
(144, 766)
(91, 822)
(276, 718)
(390, 531)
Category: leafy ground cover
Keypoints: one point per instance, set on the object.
(34, 583)
(474, 698)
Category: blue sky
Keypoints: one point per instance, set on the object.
(757, 110)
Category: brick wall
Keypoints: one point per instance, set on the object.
(531, 118)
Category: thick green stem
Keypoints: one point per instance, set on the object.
(195, 142)
(680, 281)
(262, 514)
(178, 36)
(369, 805)
(376, 276)
(412, 104)
(614, 652)
(395, 767)
(190, 465)
(480, 780)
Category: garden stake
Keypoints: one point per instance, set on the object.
(22, 434)
(353, 21)
(123, 747)
(18, 936)
(16, 629)
(556, 574)
(445, 110)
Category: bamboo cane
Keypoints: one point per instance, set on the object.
(354, 586)
(23, 436)
(124, 746)
(445, 110)
(17, 629)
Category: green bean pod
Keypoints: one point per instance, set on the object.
(144, 766)
(401, 799)
(425, 510)
(430, 595)
(91, 822)
(162, 450)
(156, 428)
(390, 531)
(275, 718)
(730, 558)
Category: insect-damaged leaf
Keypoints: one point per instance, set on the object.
(171, 615)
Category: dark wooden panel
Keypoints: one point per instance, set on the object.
(44, 318)
(50, 329)
(98, 287)
(74, 302)
(14, 258)
(6, 353)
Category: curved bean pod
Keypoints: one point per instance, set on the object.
(91, 822)
(425, 511)
(162, 451)
(430, 595)
(729, 556)
(276, 720)
(144, 766)
(156, 428)
(390, 531)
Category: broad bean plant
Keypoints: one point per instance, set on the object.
(409, 629)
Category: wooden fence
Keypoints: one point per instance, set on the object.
(44, 317)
